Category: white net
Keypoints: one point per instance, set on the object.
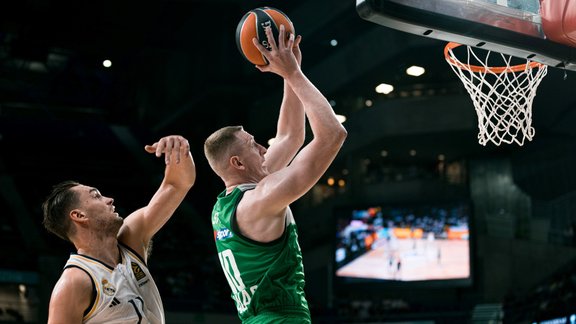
(502, 95)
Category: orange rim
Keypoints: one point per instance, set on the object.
(476, 68)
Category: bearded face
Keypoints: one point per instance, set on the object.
(99, 210)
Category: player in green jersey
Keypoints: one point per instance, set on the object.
(255, 233)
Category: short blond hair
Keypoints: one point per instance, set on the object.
(218, 145)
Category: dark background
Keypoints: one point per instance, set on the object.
(176, 70)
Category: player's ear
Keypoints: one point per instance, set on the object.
(236, 163)
(76, 215)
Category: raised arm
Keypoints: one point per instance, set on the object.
(291, 127)
(179, 176)
(262, 209)
(281, 188)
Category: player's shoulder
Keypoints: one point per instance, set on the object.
(71, 296)
(74, 278)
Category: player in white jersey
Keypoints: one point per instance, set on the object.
(107, 280)
(120, 292)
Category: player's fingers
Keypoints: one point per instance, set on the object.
(170, 142)
(263, 50)
(150, 148)
(290, 42)
(160, 146)
(259, 46)
(185, 146)
(262, 68)
(176, 149)
(270, 37)
(281, 37)
(297, 40)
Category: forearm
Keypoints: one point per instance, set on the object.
(141, 225)
(321, 117)
(291, 118)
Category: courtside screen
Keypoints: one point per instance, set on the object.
(410, 244)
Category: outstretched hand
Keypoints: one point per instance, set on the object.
(283, 57)
(168, 145)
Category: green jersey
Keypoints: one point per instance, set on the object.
(267, 279)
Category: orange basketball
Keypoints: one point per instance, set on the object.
(252, 26)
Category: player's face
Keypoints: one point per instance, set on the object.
(99, 209)
(252, 155)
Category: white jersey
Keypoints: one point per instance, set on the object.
(125, 294)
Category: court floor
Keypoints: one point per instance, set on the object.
(410, 260)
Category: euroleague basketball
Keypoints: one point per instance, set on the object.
(252, 25)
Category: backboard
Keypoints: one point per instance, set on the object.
(513, 27)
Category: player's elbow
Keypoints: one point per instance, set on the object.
(333, 139)
(340, 134)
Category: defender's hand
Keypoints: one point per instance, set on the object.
(168, 145)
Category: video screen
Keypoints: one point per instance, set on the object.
(404, 243)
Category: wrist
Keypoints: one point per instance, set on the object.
(294, 76)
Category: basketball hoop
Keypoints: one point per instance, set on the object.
(502, 95)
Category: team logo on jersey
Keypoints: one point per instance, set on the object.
(215, 218)
(138, 272)
(108, 288)
(223, 234)
(114, 302)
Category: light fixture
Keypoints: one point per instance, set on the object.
(270, 141)
(330, 181)
(333, 42)
(384, 88)
(415, 70)
(341, 118)
(107, 63)
(368, 103)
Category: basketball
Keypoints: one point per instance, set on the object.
(252, 26)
